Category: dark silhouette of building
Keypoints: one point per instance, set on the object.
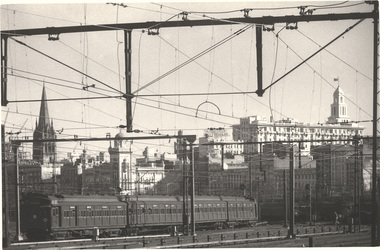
(44, 152)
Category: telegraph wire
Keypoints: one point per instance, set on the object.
(66, 65)
(138, 84)
(65, 86)
(315, 53)
(90, 106)
(349, 65)
(184, 114)
(340, 7)
(321, 76)
(69, 99)
(195, 57)
(220, 78)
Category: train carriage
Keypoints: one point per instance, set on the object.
(149, 212)
(68, 216)
(64, 216)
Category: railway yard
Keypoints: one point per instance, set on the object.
(260, 236)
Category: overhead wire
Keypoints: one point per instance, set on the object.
(340, 59)
(322, 78)
(194, 58)
(220, 78)
(64, 64)
(315, 53)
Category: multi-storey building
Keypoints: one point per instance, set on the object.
(338, 128)
(337, 170)
(218, 135)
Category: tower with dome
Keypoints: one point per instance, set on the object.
(121, 156)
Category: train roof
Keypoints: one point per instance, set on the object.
(101, 199)
(74, 199)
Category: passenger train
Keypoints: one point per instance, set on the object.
(46, 217)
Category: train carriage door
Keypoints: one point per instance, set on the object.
(201, 212)
(245, 211)
(231, 212)
(156, 213)
(239, 212)
(90, 216)
(76, 216)
(142, 213)
(209, 211)
(224, 211)
(196, 212)
(131, 213)
(166, 217)
(105, 216)
(54, 217)
(218, 211)
(60, 216)
(72, 216)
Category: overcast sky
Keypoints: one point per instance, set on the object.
(305, 94)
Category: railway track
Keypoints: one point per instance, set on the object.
(269, 236)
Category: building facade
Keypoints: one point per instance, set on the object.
(338, 170)
(337, 128)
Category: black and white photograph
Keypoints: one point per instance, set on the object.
(189, 124)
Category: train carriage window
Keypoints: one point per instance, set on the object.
(120, 210)
(155, 209)
(167, 209)
(89, 211)
(55, 211)
(142, 209)
(162, 209)
(209, 207)
(196, 208)
(72, 214)
(218, 208)
(200, 208)
(173, 209)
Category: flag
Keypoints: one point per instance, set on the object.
(336, 79)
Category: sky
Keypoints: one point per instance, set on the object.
(305, 94)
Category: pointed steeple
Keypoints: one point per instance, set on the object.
(44, 152)
(43, 121)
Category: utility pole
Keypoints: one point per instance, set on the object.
(6, 240)
(185, 221)
(128, 78)
(285, 200)
(15, 147)
(192, 194)
(250, 174)
(375, 241)
(291, 198)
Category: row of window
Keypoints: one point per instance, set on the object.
(199, 208)
(89, 212)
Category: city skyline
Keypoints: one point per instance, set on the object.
(305, 95)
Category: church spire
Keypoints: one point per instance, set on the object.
(43, 121)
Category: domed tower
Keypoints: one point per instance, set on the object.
(338, 108)
(120, 156)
